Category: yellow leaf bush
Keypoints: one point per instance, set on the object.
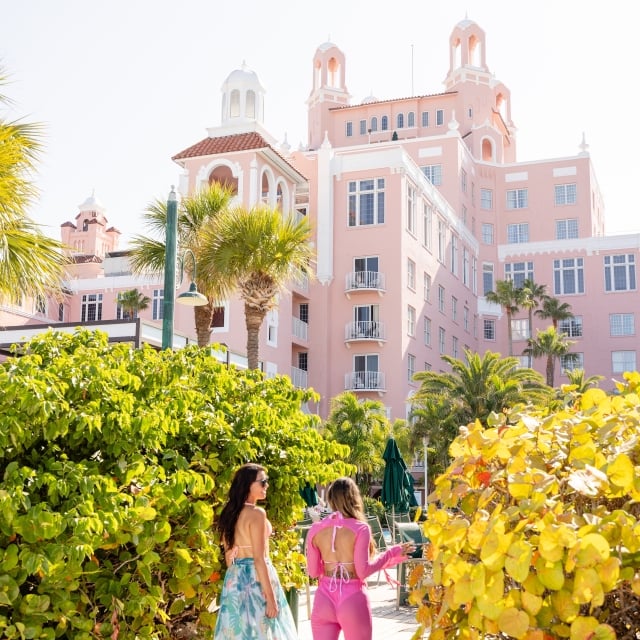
(534, 528)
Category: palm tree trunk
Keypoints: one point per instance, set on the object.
(253, 320)
(509, 333)
(550, 370)
(202, 317)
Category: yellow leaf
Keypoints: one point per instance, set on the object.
(495, 586)
(591, 398)
(621, 472)
(531, 603)
(476, 533)
(518, 560)
(635, 584)
(582, 627)
(604, 632)
(564, 605)
(594, 549)
(586, 586)
(514, 623)
(478, 580)
(550, 574)
(534, 634)
(549, 544)
(609, 572)
(489, 607)
(494, 549)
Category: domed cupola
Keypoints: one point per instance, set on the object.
(242, 97)
(91, 210)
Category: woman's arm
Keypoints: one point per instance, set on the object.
(315, 565)
(258, 528)
(366, 566)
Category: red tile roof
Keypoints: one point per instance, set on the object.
(224, 144)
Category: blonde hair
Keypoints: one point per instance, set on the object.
(344, 496)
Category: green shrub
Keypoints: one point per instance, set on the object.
(536, 534)
(115, 462)
(374, 507)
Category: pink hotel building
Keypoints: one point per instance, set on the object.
(418, 206)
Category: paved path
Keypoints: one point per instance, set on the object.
(389, 623)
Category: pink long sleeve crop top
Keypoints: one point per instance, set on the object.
(363, 565)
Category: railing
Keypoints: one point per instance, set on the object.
(364, 381)
(300, 329)
(299, 378)
(365, 330)
(364, 280)
(301, 281)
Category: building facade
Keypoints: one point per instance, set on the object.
(418, 206)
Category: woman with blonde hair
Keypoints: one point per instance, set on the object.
(341, 553)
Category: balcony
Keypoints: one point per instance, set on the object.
(364, 281)
(300, 329)
(365, 331)
(299, 378)
(365, 381)
(300, 282)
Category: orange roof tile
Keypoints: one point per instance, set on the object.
(224, 144)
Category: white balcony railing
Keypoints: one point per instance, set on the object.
(299, 378)
(357, 280)
(301, 281)
(364, 381)
(365, 330)
(300, 329)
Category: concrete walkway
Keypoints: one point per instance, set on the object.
(389, 623)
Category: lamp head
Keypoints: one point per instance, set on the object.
(192, 298)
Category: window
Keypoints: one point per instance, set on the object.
(272, 328)
(427, 224)
(622, 361)
(486, 199)
(365, 371)
(91, 307)
(463, 215)
(474, 274)
(465, 266)
(454, 308)
(411, 321)
(518, 233)
(41, 304)
(411, 366)
(566, 229)
(304, 312)
(489, 331)
(366, 272)
(622, 324)
(439, 117)
(454, 255)
(411, 119)
(363, 127)
(374, 124)
(487, 277)
(60, 312)
(517, 198)
(433, 173)
(427, 286)
(568, 276)
(349, 130)
(620, 272)
(572, 327)
(463, 181)
(411, 210)
(121, 314)
(427, 366)
(520, 329)
(425, 118)
(442, 239)
(454, 346)
(427, 331)
(571, 361)
(442, 337)
(565, 194)
(411, 274)
(303, 361)
(518, 272)
(219, 318)
(400, 120)
(157, 306)
(366, 202)
(384, 123)
(465, 318)
(487, 233)
(441, 294)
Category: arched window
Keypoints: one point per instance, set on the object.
(400, 120)
(234, 110)
(384, 126)
(251, 104)
(411, 119)
(374, 124)
(85, 225)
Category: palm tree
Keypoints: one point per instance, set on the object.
(532, 296)
(255, 252)
(478, 386)
(550, 344)
(577, 378)
(133, 301)
(554, 309)
(509, 297)
(364, 427)
(195, 213)
(31, 264)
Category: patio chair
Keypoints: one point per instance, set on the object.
(302, 527)
(378, 536)
(410, 532)
(392, 520)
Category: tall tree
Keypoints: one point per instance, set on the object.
(255, 252)
(509, 297)
(533, 295)
(195, 214)
(555, 310)
(31, 264)
(133, 301)
(551, 345)
(364, 427)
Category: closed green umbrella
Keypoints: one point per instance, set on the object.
(309, 495)
(397, 493)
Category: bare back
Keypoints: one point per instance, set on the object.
(336, 545)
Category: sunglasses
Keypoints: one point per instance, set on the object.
(263, 482)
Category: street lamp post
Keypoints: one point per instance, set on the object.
(425, 444)
(191, 297)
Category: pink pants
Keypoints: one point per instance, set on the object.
(340, 605)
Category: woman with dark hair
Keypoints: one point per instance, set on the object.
(341, 553)
(252, 602)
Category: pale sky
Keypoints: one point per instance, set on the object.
(122, 85)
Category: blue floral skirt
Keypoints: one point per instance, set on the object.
(241, 615)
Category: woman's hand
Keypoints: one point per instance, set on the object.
(408, 547)
(272, 609)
